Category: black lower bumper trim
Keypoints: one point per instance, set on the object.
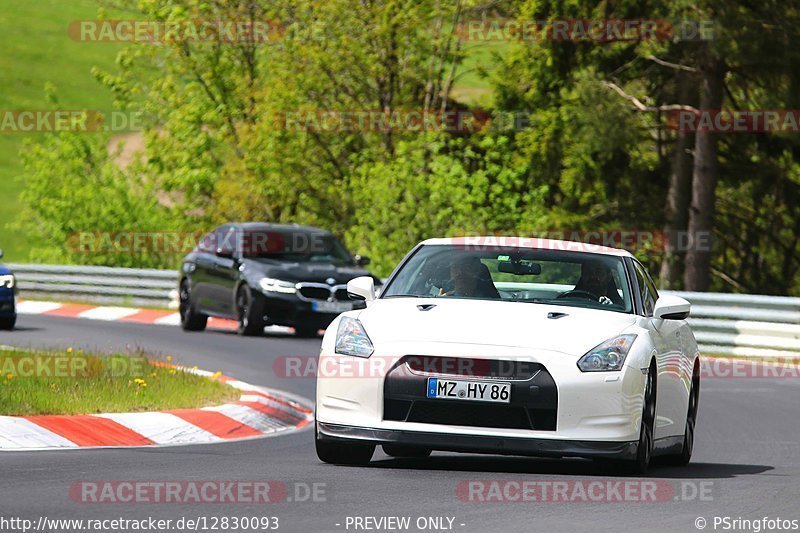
(480, 443)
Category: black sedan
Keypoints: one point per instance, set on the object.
(268, 274)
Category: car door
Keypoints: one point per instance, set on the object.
(224, 272)
(201, 273)
(666, 339)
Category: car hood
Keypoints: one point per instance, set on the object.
(4, 270)
(309, 272)
(499, 323)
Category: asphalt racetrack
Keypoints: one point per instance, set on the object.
(746, 463)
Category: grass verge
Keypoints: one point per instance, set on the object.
(67, 383)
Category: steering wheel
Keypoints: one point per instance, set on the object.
(582, 294)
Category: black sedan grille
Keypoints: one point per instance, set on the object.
(315, 291)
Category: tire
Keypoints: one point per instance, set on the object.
(8, 323)
(400, 450)
(344, 453)
(190, 319)
(644, 450)
(250, 312)
(683, 458)
(306, 332)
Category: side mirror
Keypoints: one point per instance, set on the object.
(226, 253)
(669, 307)
(361, 288)
(361, 260)
(1, 253)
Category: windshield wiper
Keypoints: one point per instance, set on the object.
(403, 296)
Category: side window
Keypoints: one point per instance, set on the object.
(647, 289)
(220, 238)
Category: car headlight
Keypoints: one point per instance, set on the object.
(608, 356)
(277, 285)
(8, 281)
(351, 339)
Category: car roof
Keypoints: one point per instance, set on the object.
(266, 226)
(532, 243)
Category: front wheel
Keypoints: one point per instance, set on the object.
(190, 319)
(8, 322)
(250, 311)
(683, 458)
(306, 332)
(644, 450)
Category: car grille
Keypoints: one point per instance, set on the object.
(473, 414)
(468, 367)
(7, 306)
(318, 291)
(534, 395)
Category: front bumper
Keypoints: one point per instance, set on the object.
(289, 310)
(480, 443)
(561, 405)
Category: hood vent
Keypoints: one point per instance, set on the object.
(555, 315)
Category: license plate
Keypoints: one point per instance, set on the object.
(448, 389)
(331, 307)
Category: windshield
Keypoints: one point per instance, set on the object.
(295, 246)
(576, 279)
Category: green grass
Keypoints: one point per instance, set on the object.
(471, 87)
(46, 383)
(37, 50)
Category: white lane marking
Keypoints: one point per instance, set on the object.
(162, 428)
(28, 307)
(250, 417)
(108, 313)
(22, 433)
(170, 320)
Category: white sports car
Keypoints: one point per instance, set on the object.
(510, 346)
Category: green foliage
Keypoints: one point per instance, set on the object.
(595, 154)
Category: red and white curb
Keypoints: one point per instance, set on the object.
(121, 314)
(260, 412)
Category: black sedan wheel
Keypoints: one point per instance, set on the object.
(250, 312)
(190, 319)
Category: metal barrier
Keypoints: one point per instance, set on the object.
(731, 324)
(745, 324)
(103, 285)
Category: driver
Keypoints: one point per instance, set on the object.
(597, 280)
(471, 278)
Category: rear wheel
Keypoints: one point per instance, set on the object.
(8, 322)
(190, 319)
(400, 450)
(250, 311)
(344, 453)
(683, 458)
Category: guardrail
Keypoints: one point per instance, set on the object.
(104, 285)
(732, 324)
(745, 324)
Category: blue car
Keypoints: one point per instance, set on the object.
(8, 310)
